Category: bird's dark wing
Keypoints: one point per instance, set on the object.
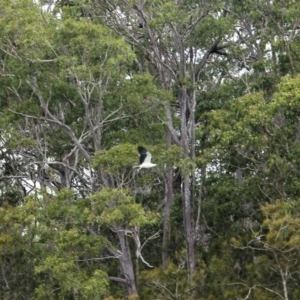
(143, 153)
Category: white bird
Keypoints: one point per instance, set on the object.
(145, 158)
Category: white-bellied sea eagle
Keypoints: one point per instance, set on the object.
(145, 159)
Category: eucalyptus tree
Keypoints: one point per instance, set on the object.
(66, 95)
(77, 100)
(174, 44)
(262, 138)
(187, 46)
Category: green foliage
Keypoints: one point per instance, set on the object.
(116, 207)
(160, 284)
(260, 137)
(172, 156)
(118, 157)
(60, 247)
(279, 247)
(54, 243)
(257, 134)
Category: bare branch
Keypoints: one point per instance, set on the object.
(117, 279)
(13, 177)
(96, 258)
(53, 119)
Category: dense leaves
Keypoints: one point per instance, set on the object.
(210, 88)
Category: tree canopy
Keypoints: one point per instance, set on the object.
(210, 88)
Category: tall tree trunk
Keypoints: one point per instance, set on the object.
(186, 184)
(167, 53)
(188, 225)
(169, 196)
(126, 263)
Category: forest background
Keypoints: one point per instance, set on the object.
(210, 88)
